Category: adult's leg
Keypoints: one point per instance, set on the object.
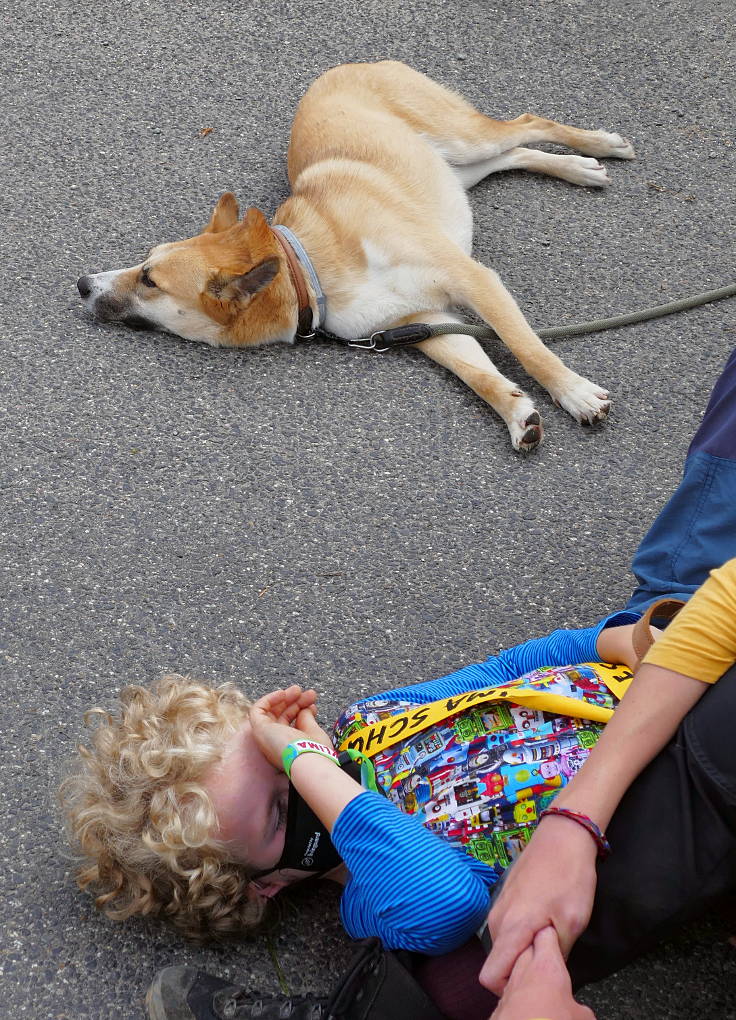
(451, 982)
(696, 529)
(674, 842)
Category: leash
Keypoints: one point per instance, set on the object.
(386, 339)
(309, 321)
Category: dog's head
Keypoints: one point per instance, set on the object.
(227, 286)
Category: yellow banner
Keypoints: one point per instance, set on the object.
(387, 732)
(616, 677)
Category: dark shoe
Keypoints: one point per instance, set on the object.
(181, 993)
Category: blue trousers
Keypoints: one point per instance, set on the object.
(696, 529)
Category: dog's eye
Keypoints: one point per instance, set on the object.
(146, 279)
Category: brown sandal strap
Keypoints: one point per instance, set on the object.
(641, 637)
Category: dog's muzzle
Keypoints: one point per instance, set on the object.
(84, 286)
(107, 308)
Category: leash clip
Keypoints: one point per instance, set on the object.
(400, 336)
(364, 343)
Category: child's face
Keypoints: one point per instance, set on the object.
(249, 797)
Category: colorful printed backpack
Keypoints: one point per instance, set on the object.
(478, 769)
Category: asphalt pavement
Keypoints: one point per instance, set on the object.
(338, 519)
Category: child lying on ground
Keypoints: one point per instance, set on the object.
(181, 798)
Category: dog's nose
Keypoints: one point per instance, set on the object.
(84, 286)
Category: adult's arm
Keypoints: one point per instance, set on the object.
(553, 882)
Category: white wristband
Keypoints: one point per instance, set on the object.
(293, 751)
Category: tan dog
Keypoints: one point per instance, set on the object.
(380, 159)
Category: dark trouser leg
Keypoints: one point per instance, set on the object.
(673, 838)
(451, 982)
(696, 530)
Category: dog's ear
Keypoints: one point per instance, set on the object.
(243, 287)
(255, 279)
(225, 214)
(256, 224)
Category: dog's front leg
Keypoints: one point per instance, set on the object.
(466, 358)
(481, 289)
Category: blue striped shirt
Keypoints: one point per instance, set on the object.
(406, 885)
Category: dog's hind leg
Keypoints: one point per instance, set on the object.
(481, 138)
(576, 169)
(529, 128)
(464, 135)
(464, 356)
(480, 288)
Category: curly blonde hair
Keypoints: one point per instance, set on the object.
(140, 819)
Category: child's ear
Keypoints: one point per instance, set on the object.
(267, 889)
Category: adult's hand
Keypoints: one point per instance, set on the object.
(280, 718)
(539, 985)
(551, 884)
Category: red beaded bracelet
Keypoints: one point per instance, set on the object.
(599, 838)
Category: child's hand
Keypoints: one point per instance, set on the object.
(280, 718)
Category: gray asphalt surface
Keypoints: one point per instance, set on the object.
(305, 514)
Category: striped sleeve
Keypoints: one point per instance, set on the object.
(406, 885)
(560, 648)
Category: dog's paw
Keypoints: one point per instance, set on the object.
(608, 144)
(526, 429)
(585, 171)
(587, 403)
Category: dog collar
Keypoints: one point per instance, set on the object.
(299, 263)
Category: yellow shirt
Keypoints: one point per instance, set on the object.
(701, 640)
